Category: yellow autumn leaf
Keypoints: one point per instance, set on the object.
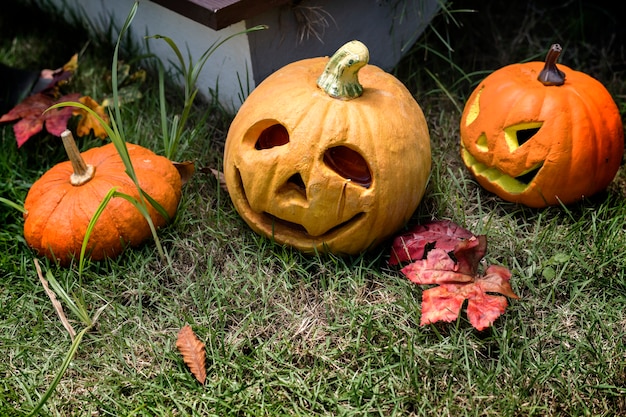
(72, 64)
(87, 122)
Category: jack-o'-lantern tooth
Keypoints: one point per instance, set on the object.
(528, 176)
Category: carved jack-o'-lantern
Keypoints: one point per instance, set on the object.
(323, 160)
(540, 135)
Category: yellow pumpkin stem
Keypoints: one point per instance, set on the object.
(340, 77)
(82, 171)
(550, 74)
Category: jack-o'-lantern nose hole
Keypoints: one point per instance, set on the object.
(296, 180)
(275, 135)
(349, 164)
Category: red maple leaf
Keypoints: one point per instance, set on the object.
(415, 243)
(456, 273)
(31, 116)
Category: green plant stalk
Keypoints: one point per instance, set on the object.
(13, 205)
(90, 226)
(79, 311)
(172, 135)
(114, 81)
(66, 363)
(138, 205)
(73, 348)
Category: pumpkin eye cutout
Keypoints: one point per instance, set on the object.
(349, 164)
(518, 135)
(275, 135)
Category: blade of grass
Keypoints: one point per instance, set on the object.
(66, 363)
(190, 72)
(12, 205)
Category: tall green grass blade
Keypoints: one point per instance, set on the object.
(444, 90)
(114, 80)
(90, 226)
(163, 111)
(144, 211)
(79, 311)
(66, 363)
(190, 72)
(13, 205)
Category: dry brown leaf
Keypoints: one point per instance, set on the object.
(219, 175)
(193, 352)
(220, 178)
(185, 169)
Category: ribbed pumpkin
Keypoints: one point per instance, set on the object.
(328, 155)
(541, 135)
(61, 203)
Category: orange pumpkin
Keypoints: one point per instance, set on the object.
(540, 135)
(61, 203)
(328, 155)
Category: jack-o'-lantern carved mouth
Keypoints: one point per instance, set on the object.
(513, 185)
(277, 222)
(277, 226)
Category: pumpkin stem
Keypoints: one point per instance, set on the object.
(82, 171)
(340, 77)
(550, 74)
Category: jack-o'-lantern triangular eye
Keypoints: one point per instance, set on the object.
(275, 135)
(349, 164)
(518, 135)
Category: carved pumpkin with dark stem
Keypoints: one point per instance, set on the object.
(541, 135)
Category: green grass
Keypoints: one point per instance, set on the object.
(288, 334)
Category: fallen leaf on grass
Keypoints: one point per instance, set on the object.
(414, 244)
(456, 272)
(87, 122)
(186, 170)
(219, 176)
(192, 350)
(32, 116)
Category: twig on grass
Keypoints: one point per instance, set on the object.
(55, 302)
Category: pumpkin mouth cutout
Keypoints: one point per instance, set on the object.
(273, 222)
(295, 227)
(513, 185)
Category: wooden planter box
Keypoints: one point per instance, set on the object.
(297, 30)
